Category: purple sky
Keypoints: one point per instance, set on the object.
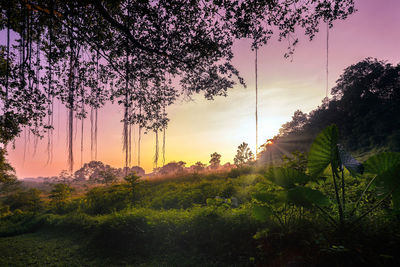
(202, 127)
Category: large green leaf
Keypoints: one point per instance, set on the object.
(266, 197)
(286, 177)
(262, 213)
(307, 197)
(382, 162)
(323, 151)
(396, 199)
(275, 198)
(388, 180)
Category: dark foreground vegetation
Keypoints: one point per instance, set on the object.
(328, 210)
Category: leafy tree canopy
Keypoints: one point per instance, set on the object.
(215, 160)
(364, 106)
(243, 154)
(7, 172)
(88, 52)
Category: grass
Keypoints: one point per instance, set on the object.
(45, 248)
(177, 221)
(136, 237)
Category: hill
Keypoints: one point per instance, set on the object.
(365, 105)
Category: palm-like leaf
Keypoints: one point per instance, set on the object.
(382, 162)
(262, 213)
(396, 199)
(389, 179)
(307, 197)
(266, 197)
(287, 177)
(387, 168)
(323, 151)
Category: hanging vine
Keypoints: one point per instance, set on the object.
(57, 34)
(70, 101)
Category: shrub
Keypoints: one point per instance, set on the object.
(103, 200)
(60, 197)
(24, 200)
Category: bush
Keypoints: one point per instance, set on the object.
(24, 200)
(223, 234)
(234, 173)
(19, 222)
(60, 198)
(103, 200)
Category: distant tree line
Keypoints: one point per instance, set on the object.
(365, 105)
(84, 54)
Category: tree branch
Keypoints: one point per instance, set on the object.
(125, 30)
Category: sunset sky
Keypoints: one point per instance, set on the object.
(200, 127)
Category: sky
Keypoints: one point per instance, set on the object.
(200, 127)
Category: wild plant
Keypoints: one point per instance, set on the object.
(327, 155)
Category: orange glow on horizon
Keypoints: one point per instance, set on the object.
(200, 127)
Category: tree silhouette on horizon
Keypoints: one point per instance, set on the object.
(86, 53)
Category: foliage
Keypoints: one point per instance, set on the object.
(242, 170)
(325, 152)
(282, 201)
(7, 172)
(171, 168)
(141, 234)
(133, 53)
(103, 200)
(108, 177)
(215, 160)
(361, 100)
(299, 119)
(24, 200)
(191, 219)
(60, 196)
(243, 154)
(94, 171)
(297, 160)
(132, 180)
(19, 222)
(199, 166)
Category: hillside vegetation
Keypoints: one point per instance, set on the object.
(315, 206)
(365, 106)
(327, 210)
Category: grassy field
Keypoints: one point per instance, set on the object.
(45, 248)
(67, 248)
(197, 237)
(199, 220)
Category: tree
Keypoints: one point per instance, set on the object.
(297, 161)
(198, 166)
(133, 51)
(243, 155)
(215, 160)
(59, 196)
(91, 171)
(7, 172)
(122, 172)
(24, 200)
(363, 97)
(172, 167)
(65, 177)
(132, 181)
(299, 119)
(108, 176)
